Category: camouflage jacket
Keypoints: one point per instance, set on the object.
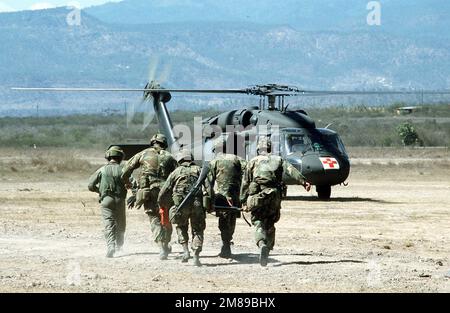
(155, 165)
(179, 183)
(266, 171)
(107, 181)
(225, 175)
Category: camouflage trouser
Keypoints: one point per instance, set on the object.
(114, 220)
(227, 225)
(265, 207)
(227, 220)
(159, 232)
(196, 215)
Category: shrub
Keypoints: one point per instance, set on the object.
(408, 134)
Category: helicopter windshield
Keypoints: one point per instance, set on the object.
(328, 140)
(295, 143)
(335, 141)
(316, 140)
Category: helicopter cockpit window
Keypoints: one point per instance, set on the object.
(295, 143)
(335, 141)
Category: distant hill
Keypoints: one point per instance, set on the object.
(402, 17)
(40, 49)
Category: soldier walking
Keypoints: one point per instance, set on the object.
(107, 182)
(261, 193)
(178, 185)
(225, 177)
(156, 164)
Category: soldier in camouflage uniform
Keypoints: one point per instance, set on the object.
(178, 185)
(225, 177)
(107, 182)
(261, 194)
(156, 164)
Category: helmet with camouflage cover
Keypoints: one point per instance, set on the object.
(184, 155)
(114, 151)
(159, 138)
(264, 144)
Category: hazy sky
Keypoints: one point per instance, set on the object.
(15, 5)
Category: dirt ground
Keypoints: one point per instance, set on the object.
(388, 231)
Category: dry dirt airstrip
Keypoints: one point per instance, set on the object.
(388, 231)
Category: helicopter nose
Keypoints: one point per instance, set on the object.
(311, 166)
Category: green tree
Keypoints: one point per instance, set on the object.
(408, 134)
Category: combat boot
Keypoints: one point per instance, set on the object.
(264, 254)
(197, 258)
(186, 254)
(163, 251)
(110, 252)
(225, 252)
(168, 248)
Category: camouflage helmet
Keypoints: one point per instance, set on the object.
(184, 155)
(114, 151)
(264, 144)
(159, 138)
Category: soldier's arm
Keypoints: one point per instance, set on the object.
(211, 180)
(166, 189)
(173, 164)
(290, 170)
(243, 164)
(246, 180)
(208, 194)
(134, 185)
(94, 180)
(129, 167)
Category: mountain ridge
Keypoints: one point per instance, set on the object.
(41, 50)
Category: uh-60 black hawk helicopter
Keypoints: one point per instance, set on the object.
(318, 153)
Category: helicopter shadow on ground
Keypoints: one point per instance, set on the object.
(338, 199)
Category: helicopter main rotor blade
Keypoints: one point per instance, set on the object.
(152, 68)
(369, 92)
(241, 91)
(297, 93)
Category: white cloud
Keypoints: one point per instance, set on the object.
(42, 6)
(15, 5)
(6, 8)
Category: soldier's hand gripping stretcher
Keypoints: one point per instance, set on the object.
(233, 209)
(131, 201)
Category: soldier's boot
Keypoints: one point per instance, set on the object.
(186, 254)
(110, 252)
(197, 258)
(264, 253)
(163, 252)
(168, 248)
(225, 252)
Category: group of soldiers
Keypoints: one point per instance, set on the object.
(232, 186)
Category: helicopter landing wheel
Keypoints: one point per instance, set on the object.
(324, 192)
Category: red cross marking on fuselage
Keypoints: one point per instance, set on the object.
(330, 162)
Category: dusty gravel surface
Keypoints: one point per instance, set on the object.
(388, 231)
